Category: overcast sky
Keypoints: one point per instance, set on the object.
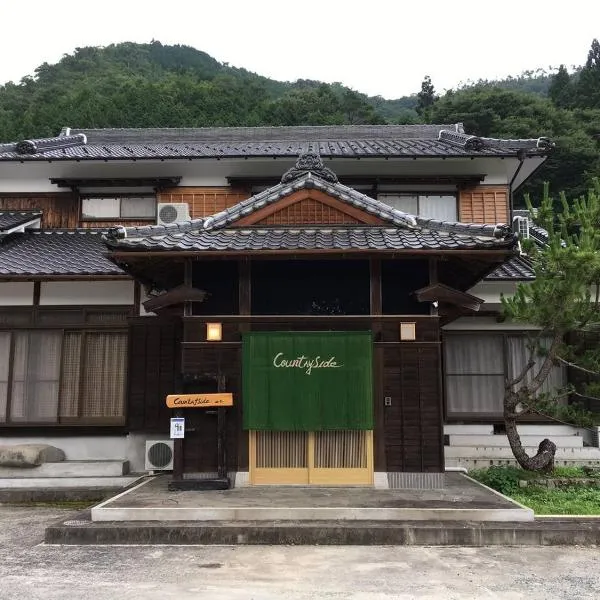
(375, 46)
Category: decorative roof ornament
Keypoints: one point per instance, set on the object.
(309, 163)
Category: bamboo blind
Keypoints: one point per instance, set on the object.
(340, 450)
(281, 450)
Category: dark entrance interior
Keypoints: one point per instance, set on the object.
(200, 442)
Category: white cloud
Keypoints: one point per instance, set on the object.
(378, 47)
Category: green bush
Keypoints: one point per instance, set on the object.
(502, 479)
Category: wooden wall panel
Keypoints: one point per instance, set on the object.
(204, 201)
(60, 210)
(154, 372)
(484, 204)
(413, 422)
(106, 224)
(309, 212)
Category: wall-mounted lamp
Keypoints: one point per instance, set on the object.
(214, 332)
(408, 332)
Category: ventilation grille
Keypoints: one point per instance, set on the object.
(169, 213)
(521, 226)
(159, 455)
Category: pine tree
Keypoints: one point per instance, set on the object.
(426, 97)
(563, 300)
(561, 90)
(588, 86)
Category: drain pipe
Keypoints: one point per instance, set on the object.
(521, 155)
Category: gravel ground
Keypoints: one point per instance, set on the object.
(30, 570)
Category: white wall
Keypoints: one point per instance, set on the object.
(131, 447)
(16, 293)
(486, 324)
(490, 292)
(35, 176)
(61, 293)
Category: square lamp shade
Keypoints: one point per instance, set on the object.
(408, 332)
(214, 332)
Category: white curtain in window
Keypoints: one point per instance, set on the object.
(138, 207)
(4, 366)
(104, 376)
(36, 375)
(474, 367)
(404, 202)
(518, 355)
(439, 207)
(100, 208)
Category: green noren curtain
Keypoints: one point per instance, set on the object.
(309, 381)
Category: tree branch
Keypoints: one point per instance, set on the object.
(576, 366)
(542, 374)
(528, 366)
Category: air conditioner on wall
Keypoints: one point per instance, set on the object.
(159, 455)
(521, 226)
(168, 213)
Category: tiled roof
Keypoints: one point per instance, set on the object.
(403, 231)
(517, 268)
(311, 238)
(235, 142)
(55, 252)
(11, 219)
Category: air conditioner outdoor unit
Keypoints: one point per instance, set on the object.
(521, 226)
(169, 213)
(159, 455)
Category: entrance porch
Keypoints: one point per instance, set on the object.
(460, 499)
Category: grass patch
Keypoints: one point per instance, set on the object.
(571, 500)
(574, 500)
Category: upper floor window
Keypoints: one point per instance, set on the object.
(441, 207)
(118, 207)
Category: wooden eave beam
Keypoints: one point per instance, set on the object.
(459, 180)
(178, 295)
(127, 256)
(65, 277)
(157, 182)
(438, 292)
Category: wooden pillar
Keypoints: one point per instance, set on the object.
(433, 278)
(245, 308)
(188, 281)
(377, 310)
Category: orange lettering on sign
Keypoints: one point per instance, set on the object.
(199, 400)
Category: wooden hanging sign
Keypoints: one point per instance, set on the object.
(199, 400)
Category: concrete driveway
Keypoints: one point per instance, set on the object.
(31, 571)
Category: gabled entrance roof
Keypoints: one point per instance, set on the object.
(376, 226)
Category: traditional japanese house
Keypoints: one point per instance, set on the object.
(308, 271)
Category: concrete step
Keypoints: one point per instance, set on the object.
(547, 430)
(69, 468)
(65, 482)
(482, 462)
(79, 530)
(561, 441)
(467, 429)
(506, 452)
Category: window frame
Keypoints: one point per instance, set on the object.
(418, 195)
(120, 196)
(477, 416)
(84, 327)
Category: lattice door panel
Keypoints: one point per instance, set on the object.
(321, 458)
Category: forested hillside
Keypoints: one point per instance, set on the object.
(154, 85)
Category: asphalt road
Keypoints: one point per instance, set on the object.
(30, 570)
